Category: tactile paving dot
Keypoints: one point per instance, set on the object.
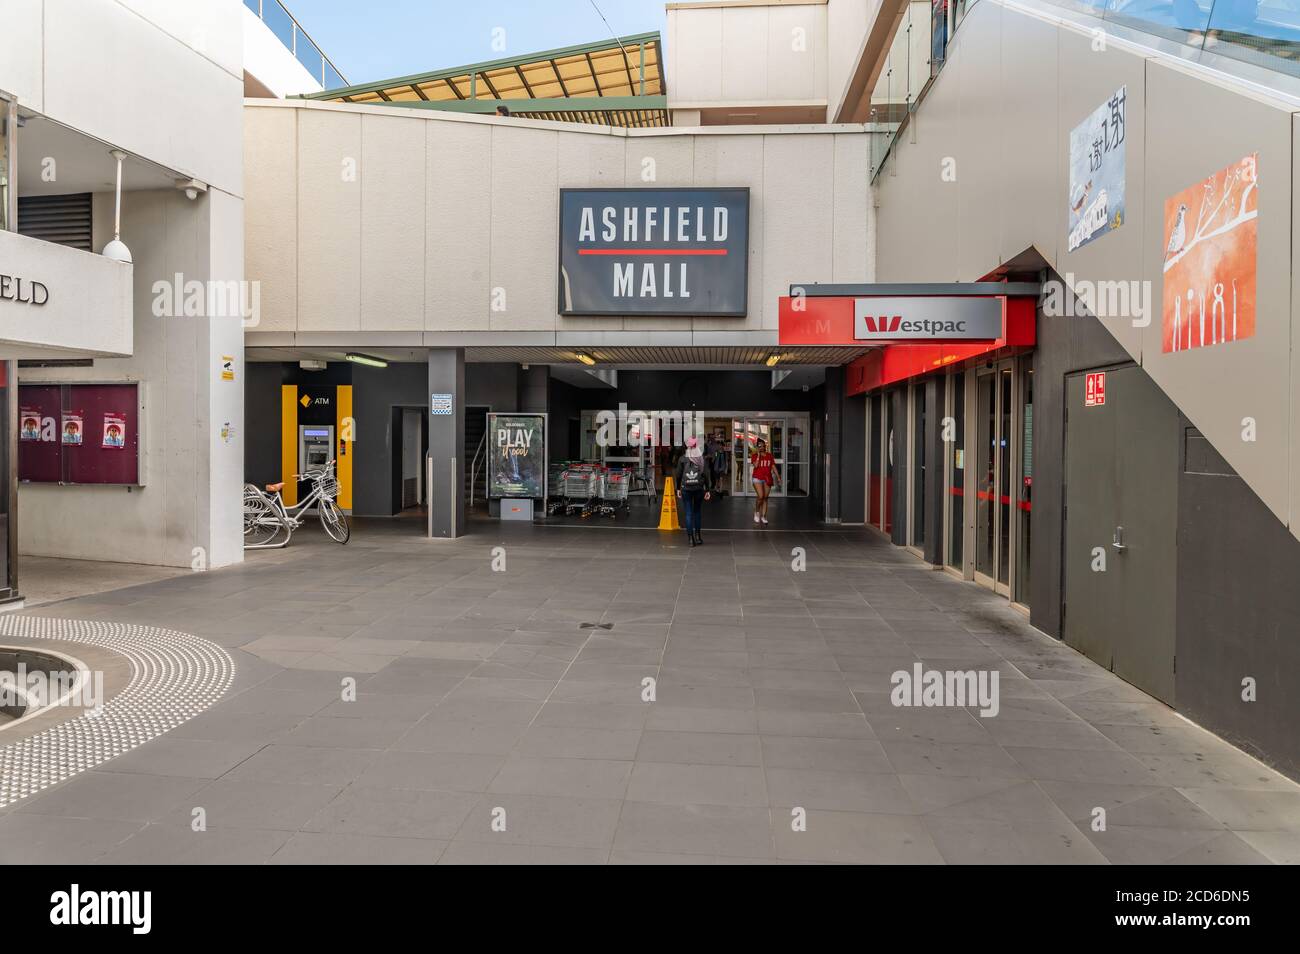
(174, 677)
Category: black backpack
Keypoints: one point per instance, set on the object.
(692, 475)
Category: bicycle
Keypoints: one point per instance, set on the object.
(266, 517)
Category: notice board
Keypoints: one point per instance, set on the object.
(79, 433)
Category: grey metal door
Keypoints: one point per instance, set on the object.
(1121, 504)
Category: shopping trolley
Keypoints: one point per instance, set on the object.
(614, 486)
(579, 486)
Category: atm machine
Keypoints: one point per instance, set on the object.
(315, 447)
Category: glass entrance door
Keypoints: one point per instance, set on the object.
(746, 433)
(994, 436)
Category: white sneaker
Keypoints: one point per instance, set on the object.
(765, 519)
(756, 518)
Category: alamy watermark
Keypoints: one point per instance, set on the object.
(1103, 299)
(934, 688)
(35, 689)
(624, 428)
(181, 298)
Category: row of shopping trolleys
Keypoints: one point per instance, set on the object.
(588, 490)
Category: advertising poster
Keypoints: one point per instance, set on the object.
(1210, 239)
(517, 455)
(29, 423)
(1097, 172)
(114, 431)
(72, 427)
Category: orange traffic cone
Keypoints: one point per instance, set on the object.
(668, 509)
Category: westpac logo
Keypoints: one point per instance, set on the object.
(132, 908)
(928, 318)
(883, 324)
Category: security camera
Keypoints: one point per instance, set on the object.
(191, 187)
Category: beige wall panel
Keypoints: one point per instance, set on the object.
(852, 251)
(458, 226)
(392, 223)
(525, 213)
(1195, 129)
(915, 218)
(329, 220)
(271, 220)
(695, 36)
(659, 161)
(728, 161)
(1027, 105)
(846, 31)
(797, 214)
(742, 58)
(979, 157)
(796, 52)
(22, 53)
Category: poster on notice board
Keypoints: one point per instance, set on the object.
(72, 429)
(114, 431)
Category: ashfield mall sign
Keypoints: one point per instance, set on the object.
(654, 252)
(23, 291)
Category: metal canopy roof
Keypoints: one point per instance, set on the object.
(618, 83)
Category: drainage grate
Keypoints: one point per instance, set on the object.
(174, 677)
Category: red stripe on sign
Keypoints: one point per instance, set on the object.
(652, 251)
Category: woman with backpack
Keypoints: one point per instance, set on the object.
(694, 478)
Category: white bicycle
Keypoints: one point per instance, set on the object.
(269, 524)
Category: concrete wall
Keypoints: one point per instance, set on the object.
(95, 64)
(162, 80)
(377, 225)
(1004, 120)
(846, 30)
(86, 307)
(746, 53)
(192, 474)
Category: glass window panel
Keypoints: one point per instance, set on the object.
(955, 496)
(1004, 473)
(1025, 491)
(985, 490)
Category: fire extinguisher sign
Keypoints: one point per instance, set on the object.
(1094, 389)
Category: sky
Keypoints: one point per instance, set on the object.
(378, 39)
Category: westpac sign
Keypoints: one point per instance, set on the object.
(927, 319)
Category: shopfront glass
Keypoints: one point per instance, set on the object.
(917, 537)
(955, 497)
(887, 502)
(875, 477)
(1024, 501)
(1003, 502)
(986, 474)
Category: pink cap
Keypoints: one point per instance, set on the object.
(692, 442)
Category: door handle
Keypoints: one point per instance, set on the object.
(1118, 541)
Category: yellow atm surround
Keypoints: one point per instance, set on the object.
(301, 406)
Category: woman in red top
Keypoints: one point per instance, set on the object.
(765, 474)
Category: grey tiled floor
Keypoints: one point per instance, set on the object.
(484, 695)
